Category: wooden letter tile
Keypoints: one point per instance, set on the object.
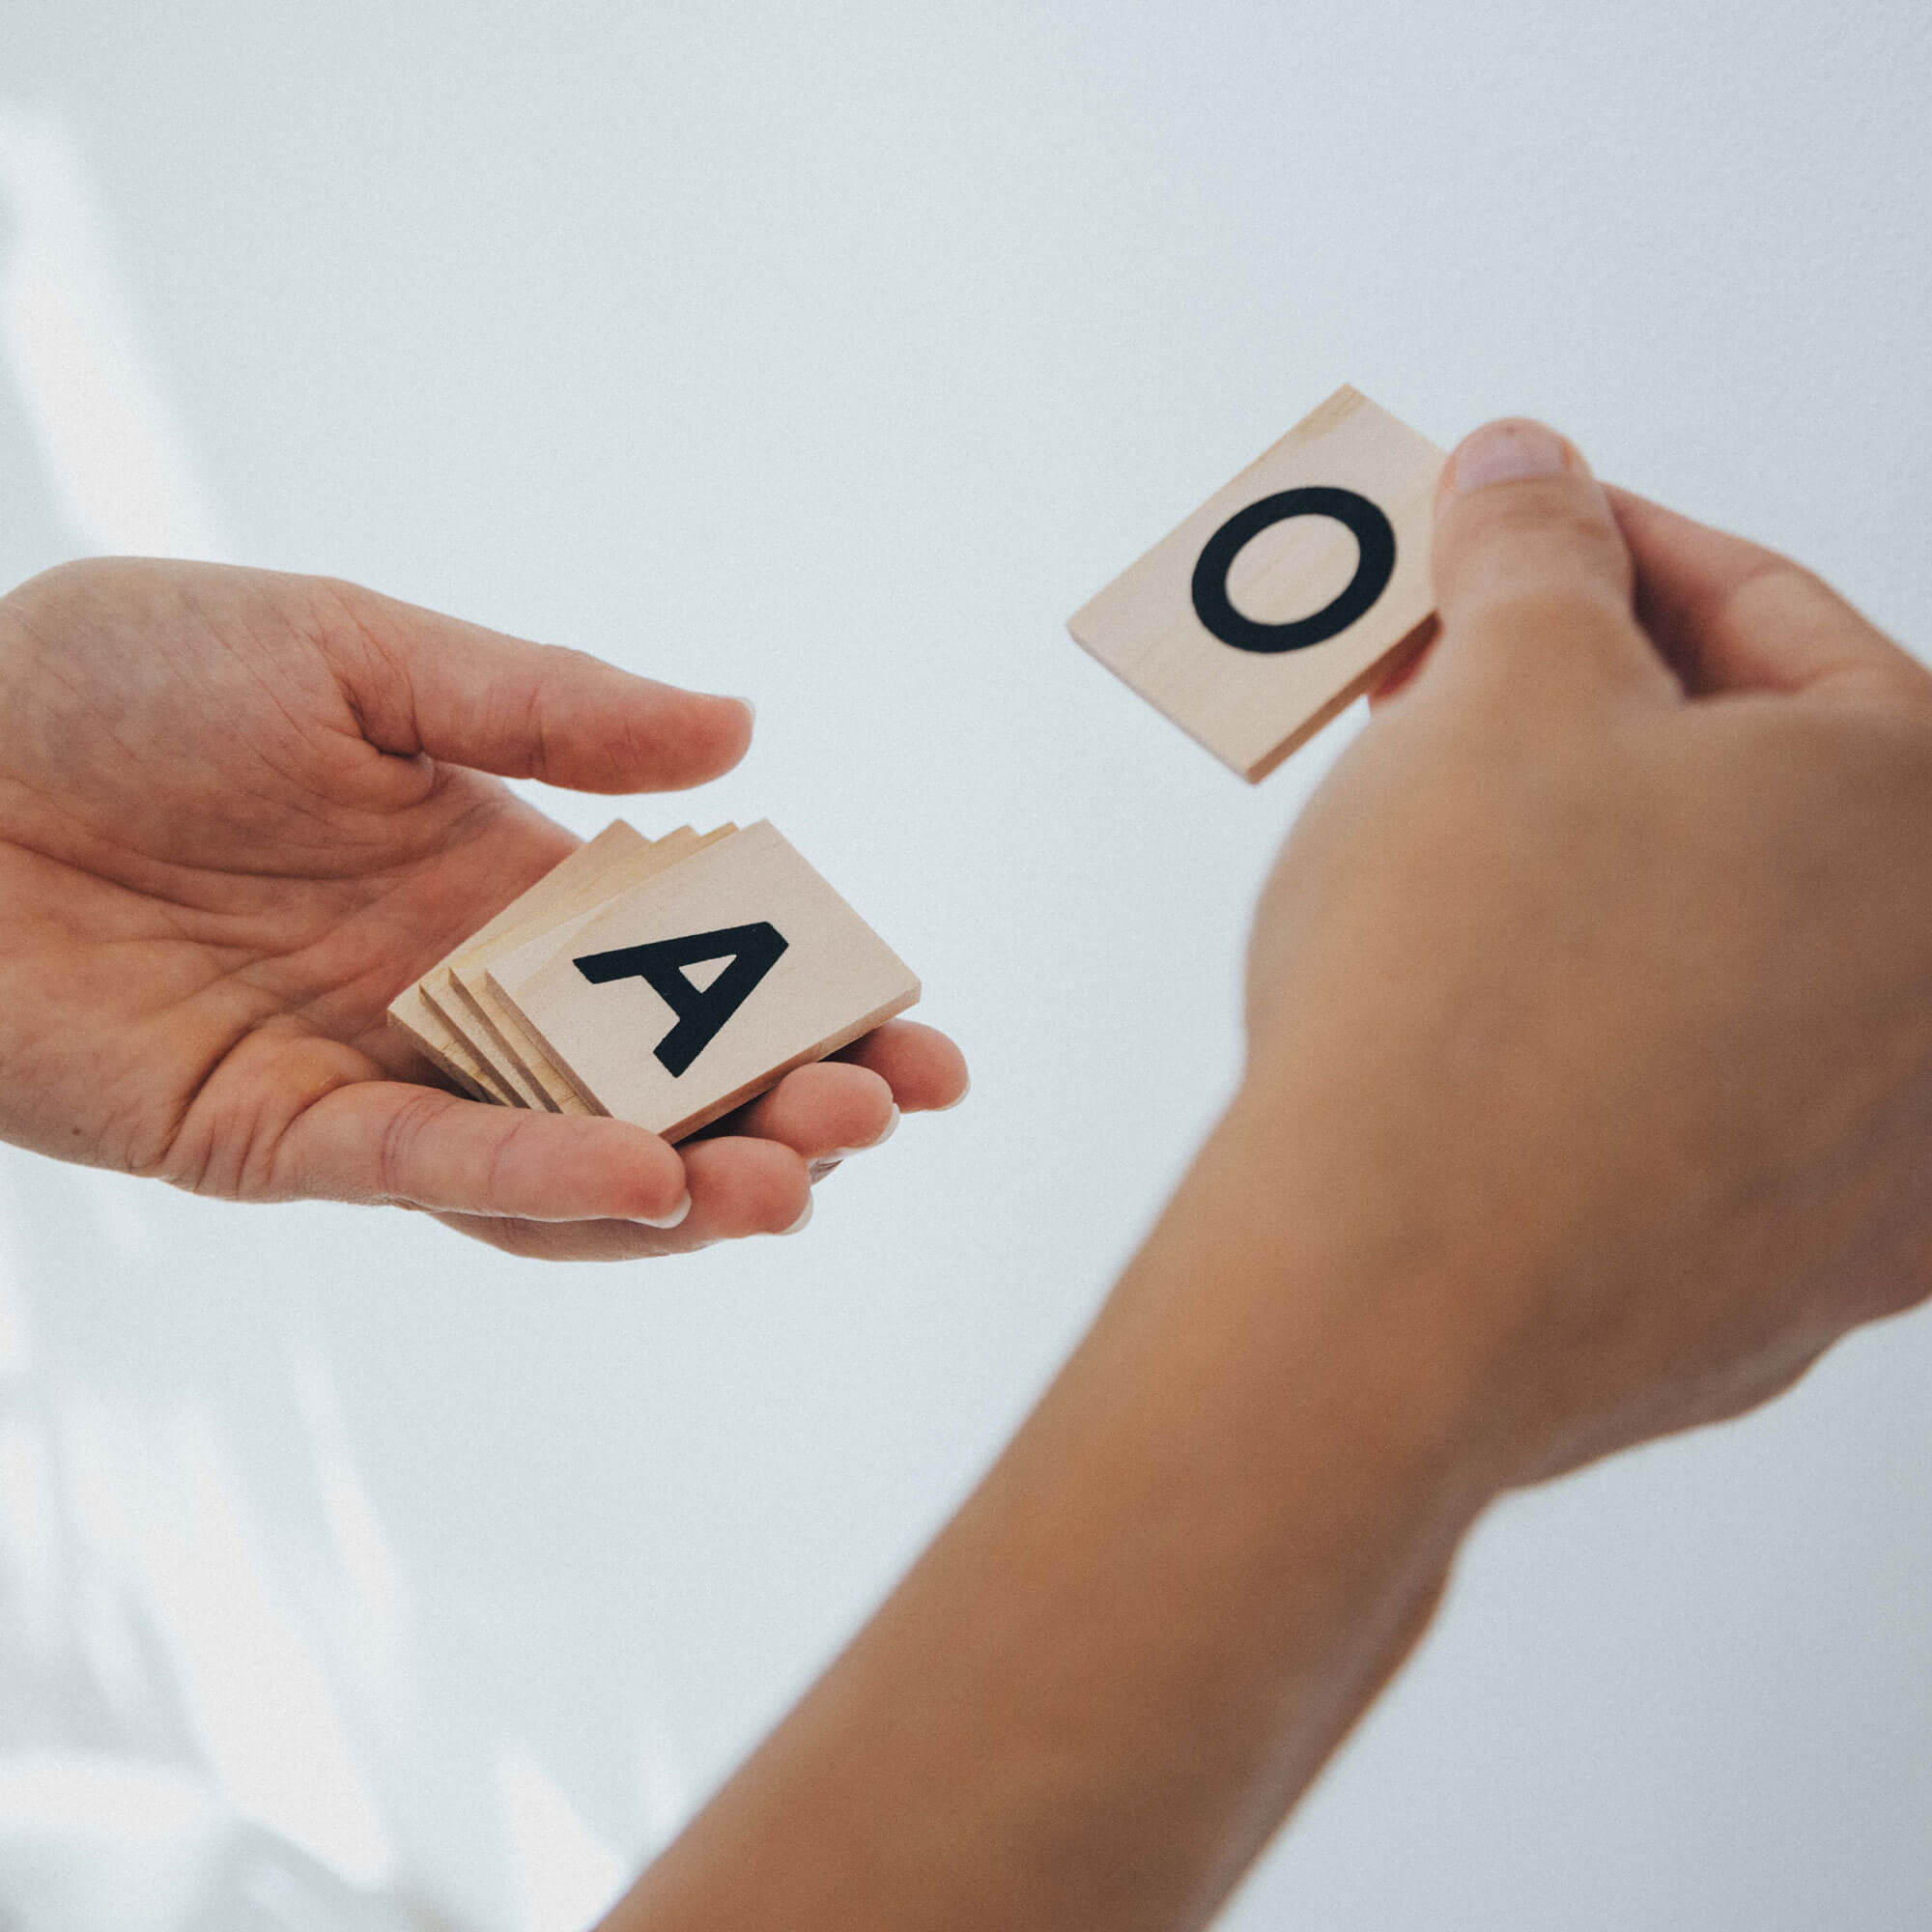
(412, 1016)
(469, 1002)
(416, 1014)
(1286, 594)
(701, 987)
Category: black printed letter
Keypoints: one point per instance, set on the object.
(753, 951)
(1374, 538)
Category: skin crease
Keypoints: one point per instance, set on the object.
(240, 812)
(1587, 1097)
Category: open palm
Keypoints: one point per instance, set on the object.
(240, 812)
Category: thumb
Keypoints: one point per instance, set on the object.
(1533, 578)
(423, 683)
(385, 1141)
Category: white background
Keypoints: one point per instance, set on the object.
(834, 354)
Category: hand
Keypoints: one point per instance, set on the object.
(240, 812)
(1591, 998)
(1589, 1095)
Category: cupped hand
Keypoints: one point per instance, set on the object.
(1591, 998)
(240, 812)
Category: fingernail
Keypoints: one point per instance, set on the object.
(879, 1138)
(671, 1220)
(1508, 452)
(751, 709)
(820, 1169)
(960, 1103)
(809, 1204)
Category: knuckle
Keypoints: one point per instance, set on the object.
(1551, 526)
(1529, 503)
(1524, 627)
(554, 712)
(773, 1196)
(500, 1155)
(645, 1185)
(1534, 613)
(530, 728)
(396, 1152)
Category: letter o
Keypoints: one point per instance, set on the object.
(1375, 537)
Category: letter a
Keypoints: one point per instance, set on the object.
(702, 1011)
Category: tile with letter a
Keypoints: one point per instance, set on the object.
(459, 990)
(415, 1014)
(1287, 594)
(703, 985)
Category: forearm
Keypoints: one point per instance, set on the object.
(1108, 1680)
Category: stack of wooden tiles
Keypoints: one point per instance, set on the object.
(662, 982)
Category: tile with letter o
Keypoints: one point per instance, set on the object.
(1287, 594)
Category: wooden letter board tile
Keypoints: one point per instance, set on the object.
(461, 991)
(833, 979)
(1285, 595)
(429, 1027)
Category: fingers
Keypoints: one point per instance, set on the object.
(1731, 616)
(1531, 551)
(741, 1186)
(567, 1188)
(923, 1068)
(854, 1101)
(1399, 676)
(738, 1188)
(563, 1240)
(420, 682)
(386, 1141)
(821, 1112)
(1533, 578)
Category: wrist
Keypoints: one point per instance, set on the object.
(1213, 1541)
(1344, 1304)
